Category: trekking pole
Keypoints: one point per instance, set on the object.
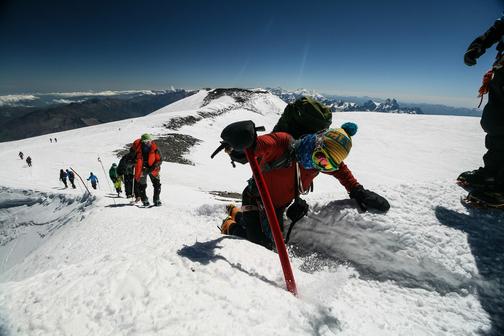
(272, 221)
(133, 184)
(80, 178)
(105, 174)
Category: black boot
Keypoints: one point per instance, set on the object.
(492, 199)
(157, 192)
(481, 178)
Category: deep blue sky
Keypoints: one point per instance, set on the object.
(410, 50)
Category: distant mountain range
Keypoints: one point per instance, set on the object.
(19, 122)
(389, 105)
(23, 116)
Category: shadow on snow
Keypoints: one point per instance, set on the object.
(485, 235)
(205, 253)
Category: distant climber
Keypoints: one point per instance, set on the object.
(126, 169)
(29, 161)
(21, 155)
(71, 177)
(147, 163)
(63, 177)
(93, 179)
(116, 179)
(50, 140)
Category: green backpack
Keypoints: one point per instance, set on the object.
(304, 116)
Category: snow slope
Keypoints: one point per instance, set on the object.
(98, 266)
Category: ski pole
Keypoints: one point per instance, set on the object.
(133, 184)
(272, 221)
(105, 174)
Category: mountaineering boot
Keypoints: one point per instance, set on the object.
(479, 178)
(227, 225)
(232, 210)
(145, 202)
(157, 202)
(490, 199)
(230, 225)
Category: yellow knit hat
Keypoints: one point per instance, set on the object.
(337, 142)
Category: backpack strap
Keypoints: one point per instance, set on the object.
(283, 161)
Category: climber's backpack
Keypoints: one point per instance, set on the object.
(304, 116)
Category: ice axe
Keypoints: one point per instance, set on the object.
(242, 136)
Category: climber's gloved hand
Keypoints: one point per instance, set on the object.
(472, 54)
(369, 200)
(236, 155)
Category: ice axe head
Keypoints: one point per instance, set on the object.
(241, 134)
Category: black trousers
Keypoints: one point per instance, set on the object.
(128, 185)
(492, 122)
(254, 225)
(142, 186)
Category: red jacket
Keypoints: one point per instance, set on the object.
(280, 181)
(154, 159)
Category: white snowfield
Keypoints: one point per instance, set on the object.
(76, 265)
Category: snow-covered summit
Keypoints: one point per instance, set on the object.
(82, 265)
(227, 99)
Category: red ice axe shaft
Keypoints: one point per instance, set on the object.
(272, 221)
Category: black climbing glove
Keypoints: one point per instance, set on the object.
(472, 54)
(368, 199)
(297, 210)
(237, 155)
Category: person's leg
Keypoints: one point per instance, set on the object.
(492, 122)
(156, 184)
(117, 185)
(252, 222)
(491, 175)
(141, 188)
(128, 185)
(494, 157)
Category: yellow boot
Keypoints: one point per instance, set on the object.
(232, 210)
(227, 224)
